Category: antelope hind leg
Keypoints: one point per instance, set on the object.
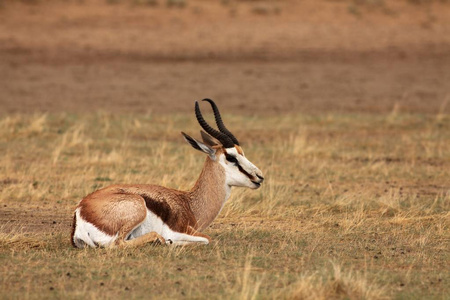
(151, 237)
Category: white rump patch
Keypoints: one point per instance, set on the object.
(87, 234)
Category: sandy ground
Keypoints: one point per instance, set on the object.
(250, 56)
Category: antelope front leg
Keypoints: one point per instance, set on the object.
(190, 238)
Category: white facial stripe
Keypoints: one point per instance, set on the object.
(232, 151)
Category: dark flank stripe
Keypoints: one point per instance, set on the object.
(159, 208)
(172, 208)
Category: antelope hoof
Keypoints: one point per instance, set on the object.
(159, 241)
(169, 242)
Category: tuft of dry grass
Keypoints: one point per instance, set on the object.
(368, 193)
(336, 284)
(20, 241)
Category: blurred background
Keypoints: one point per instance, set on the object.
(251, 56)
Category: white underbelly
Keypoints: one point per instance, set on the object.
(153, 223)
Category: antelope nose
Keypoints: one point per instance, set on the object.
(260, 177)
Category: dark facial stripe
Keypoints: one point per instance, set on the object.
(228, 156)
(231, 158)
(245, 172)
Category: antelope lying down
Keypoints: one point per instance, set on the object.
(135, 214)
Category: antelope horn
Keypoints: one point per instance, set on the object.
(219, 121)
(226, 141)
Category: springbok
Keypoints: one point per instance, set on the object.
(132, 215)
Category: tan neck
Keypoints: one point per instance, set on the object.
(209, 194)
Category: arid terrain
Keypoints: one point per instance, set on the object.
(344, 105)
(253, 56)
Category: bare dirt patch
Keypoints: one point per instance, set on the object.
(252, 56)
(274, 87)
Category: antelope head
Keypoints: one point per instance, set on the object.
(223, 148)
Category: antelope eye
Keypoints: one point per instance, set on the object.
(232, 159)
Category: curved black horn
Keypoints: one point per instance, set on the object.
(219, 121)
(226, 141)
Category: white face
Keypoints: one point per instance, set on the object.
(239, 170)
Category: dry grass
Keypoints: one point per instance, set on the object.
(354, 207)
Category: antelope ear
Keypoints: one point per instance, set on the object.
(200, 146)
(209, 140)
